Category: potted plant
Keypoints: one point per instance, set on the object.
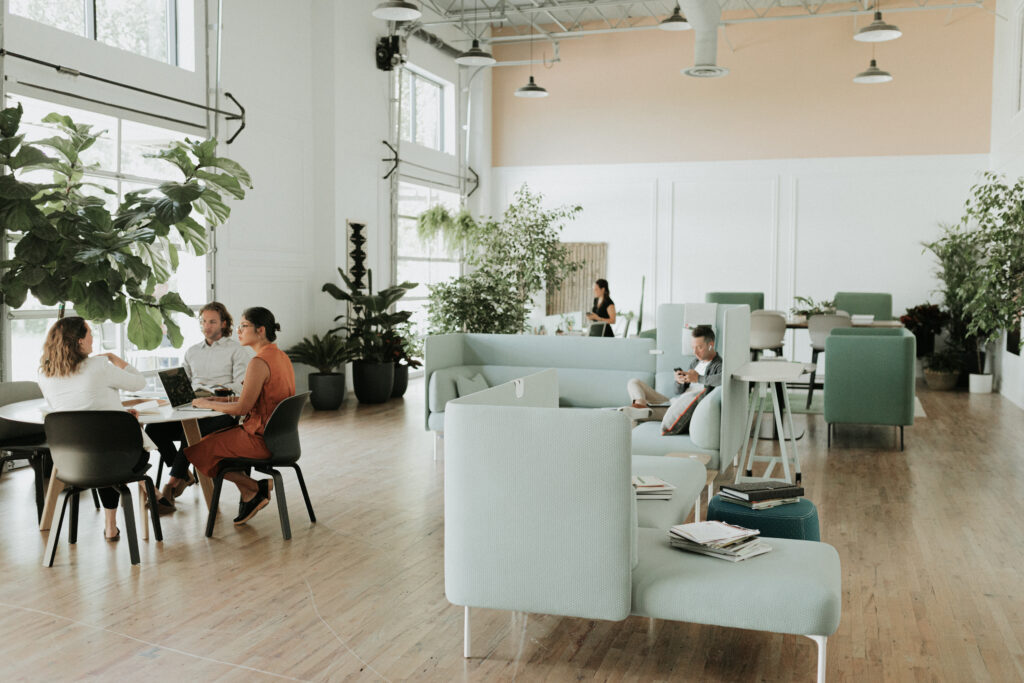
(406, 349)
(370, 327)
(804, 307)
(925, 321)
(942, 369)
(70, 248)
(326, 354)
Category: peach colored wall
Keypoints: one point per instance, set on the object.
(619, 98)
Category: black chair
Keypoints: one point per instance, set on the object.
(282, 438)
(97, 448)
(23, 441)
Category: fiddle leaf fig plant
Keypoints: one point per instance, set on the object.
(70, 248)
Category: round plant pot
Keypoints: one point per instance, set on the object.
(328, 390)
(940, 381)
(401, 381)
(980, 384)
(372, 381)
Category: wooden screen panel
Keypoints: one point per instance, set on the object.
(577, 291)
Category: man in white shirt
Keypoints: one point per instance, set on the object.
(218, 362)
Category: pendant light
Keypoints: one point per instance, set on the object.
(475, 56)
(675, 22)
(531, 89)
(397, 10)
(877, 31)
(873, 74)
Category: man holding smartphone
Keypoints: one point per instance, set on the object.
(704, 371)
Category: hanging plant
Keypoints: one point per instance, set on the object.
(71, 249)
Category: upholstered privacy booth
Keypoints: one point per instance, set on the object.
(877, 304)
(869, 377)
(755, 300)
(540, 517)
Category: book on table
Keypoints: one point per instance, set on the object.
(652, 488)
(759, 504)
(761, 490)
(718, 539)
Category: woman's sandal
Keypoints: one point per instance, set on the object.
(112, 539)
(183, 484)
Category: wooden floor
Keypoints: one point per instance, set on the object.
(931, 541)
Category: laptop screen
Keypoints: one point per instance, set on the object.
(178, 386)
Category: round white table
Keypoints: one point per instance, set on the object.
(766, 376)
(34, 412)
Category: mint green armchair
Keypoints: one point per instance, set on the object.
(753, 299)
(869, 377)
(877, 304)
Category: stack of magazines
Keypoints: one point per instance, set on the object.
(761, 495)
(652, 488)
(718, 539)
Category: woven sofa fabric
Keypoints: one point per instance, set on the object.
(869, 378)
(537, 510)
(647, 440)
(686, 474)
(795, 588)
(440, 351)
(878, 304)
(754, 300)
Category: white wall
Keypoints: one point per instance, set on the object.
(1008, 149)
(808, 227)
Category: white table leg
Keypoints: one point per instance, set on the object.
(53, 490)
(792, 431)
(192, 437)
(777, 409)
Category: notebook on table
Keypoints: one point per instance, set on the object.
(179, 389)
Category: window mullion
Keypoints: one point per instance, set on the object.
(90, 20)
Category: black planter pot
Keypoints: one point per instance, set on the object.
(328, 390)
(372, 381)
(925, 343)
(401, 381)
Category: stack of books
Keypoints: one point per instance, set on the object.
(652, 488)
(761, 495)
(718, 539)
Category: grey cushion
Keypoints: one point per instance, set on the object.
(470, 385)
(686, 474)
(795, 588)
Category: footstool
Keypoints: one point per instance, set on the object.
(794, 520)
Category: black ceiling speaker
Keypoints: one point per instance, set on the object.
(388, 52)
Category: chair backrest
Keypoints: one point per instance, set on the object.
(282, 431)
(767, 329)
(878, 304)
(597, 329)
(13, 392)
(94, 447)
(753, 299)
(820, 326)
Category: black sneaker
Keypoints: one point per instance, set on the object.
(247, 510)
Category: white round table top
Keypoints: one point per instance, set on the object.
(772, 371)
(34, 412)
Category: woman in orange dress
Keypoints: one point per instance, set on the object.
(269, 379)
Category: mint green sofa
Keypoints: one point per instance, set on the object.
(877, 304)
(540, 517)
(755, 300)
(869, 377)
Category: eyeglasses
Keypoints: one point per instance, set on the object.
(242, 326)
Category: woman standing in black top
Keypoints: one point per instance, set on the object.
(604, 308)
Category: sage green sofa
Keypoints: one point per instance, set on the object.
(540, 517)
(755, 300)
(869, 377)
(878, 304)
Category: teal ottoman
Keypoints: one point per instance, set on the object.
(795, 520)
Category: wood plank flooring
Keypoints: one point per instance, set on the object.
(931, 543)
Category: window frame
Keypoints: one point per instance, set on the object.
(408, 128)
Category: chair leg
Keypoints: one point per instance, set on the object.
(95, 499)
(901, 437)
(830, 435)
(814, 373)
(37, 465)
(159, 470)
(821, 641)
(465, 634)
(51, 542)
(154, 516)
(211, 519)
(305, 493)
(282, 504)
(129, 523)
(73, 522)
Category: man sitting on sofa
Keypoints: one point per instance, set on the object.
(692, 385)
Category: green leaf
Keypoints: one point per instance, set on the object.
(32, 249)
(33, 275)
(144, 328)
(49, 292)
(66, 148)
(194, 235)
(14, 293)
(232, 167)
(28, 157)
(177, 155)
(222, 182)
(10, 119)
(173, 331)
(182, 193)
(11, 188)
(9, 144)
(172, 301)
(169, 211)
(212, 208)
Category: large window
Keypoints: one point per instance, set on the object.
(122, 168)
(424, 101)
(426, 263)
(158, 29)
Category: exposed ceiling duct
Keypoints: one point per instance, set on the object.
(704, 16)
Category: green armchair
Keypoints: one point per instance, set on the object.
(865, 303)
(869, 377)
(753, 299)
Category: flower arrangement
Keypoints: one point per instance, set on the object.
(925, 319)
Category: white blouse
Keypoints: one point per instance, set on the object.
(93, 387)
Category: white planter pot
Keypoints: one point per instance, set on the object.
(981, 384)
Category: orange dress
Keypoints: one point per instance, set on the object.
(246, 439)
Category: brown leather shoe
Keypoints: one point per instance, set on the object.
(183, 484)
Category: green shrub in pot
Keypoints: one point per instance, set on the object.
(326, 354)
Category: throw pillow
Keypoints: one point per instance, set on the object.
(677, 417)
(470, 385)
